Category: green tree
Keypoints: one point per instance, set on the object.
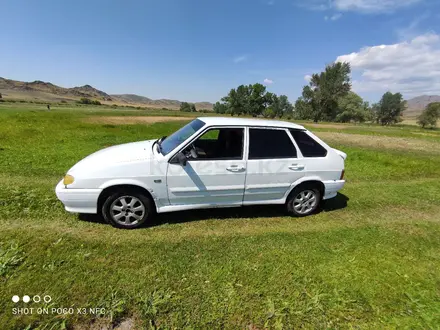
(352, 107)
(271, 101)
(193, 107)
(269, 113)
(85, 100)
(285, 108)
(243, 99)
(1, 96)
(390, 108)
(429, 116)
(257, 100)
(220, 107)
(303, 110)
(253, 100)
(325, 89)
(185, 107)
(233, 103)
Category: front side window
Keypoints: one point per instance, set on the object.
(175, 139)
(308, 146)
(217, 143)
(270, 144)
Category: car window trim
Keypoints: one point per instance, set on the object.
(272, 128)
(216, 159)
(307, 133)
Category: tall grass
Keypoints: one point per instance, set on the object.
(370, 259)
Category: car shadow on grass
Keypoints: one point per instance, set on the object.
(246, 212)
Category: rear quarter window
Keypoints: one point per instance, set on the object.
(308, 146)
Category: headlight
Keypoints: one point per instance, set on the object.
(68, 179)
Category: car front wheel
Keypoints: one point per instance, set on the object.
(303, 200)
(127, 209)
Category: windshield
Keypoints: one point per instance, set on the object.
(175, 139)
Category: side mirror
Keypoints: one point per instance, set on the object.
(181, 159)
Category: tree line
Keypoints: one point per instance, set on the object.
(327, 97)
(254, 100)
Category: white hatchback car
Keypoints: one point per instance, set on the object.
(211, 162)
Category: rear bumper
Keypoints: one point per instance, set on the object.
(78, 200)
(332, 188)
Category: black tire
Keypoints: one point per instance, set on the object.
(132, 210)
(302, 209)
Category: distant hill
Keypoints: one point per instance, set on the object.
(162, 103)
(48, 92)
(40, 89)
(417, 104)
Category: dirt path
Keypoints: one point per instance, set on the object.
(131, 120)
(381, 142)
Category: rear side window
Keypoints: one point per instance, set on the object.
(270, 144)
(308, 146)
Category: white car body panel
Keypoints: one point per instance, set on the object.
(201, 183)
(207, 182)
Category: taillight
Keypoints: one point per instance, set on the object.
(342, 175)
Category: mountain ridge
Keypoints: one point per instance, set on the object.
(417, 104)
(49, 92)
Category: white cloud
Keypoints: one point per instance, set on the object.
(366, 6)
(307, 78)
(372, 5)
(268, 81)
(334, 17)
(410, 67)
(239, 59)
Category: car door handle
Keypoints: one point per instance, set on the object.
(296, 167)
(235, 168)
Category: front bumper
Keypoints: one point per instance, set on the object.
(332, 188)
(78, 200)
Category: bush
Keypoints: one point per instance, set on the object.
(85, 100)
(269, 113)
(429, 116)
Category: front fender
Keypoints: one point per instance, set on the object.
(131, 182)
(119, 182)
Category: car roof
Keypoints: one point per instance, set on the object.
(234, 121)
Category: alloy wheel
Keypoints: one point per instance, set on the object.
(127, 210)
(305, 202)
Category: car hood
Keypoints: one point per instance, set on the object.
(123, 153)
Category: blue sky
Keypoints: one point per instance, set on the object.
(196, 50)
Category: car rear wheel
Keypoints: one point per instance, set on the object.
(303, 200)
(127, 209)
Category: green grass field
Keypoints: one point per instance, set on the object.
(369, 260)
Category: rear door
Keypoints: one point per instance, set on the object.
(272, 165)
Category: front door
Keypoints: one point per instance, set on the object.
(215, 170)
